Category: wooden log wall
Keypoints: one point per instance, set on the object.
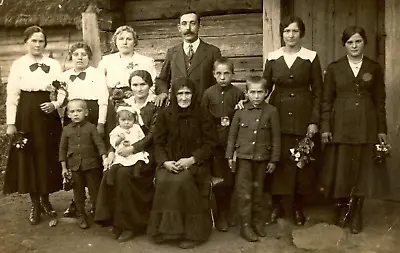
(392, 78)
(234, 26)
(59, 40)
(326, 20)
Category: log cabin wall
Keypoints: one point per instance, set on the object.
(234, 26)
(325, 21)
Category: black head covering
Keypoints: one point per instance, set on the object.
(176, 86)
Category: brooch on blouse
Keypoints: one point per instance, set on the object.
(132, 65)
(367, 77)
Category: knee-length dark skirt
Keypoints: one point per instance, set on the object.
(181, 205)
(351, 169)
(127, 203)
(35, 168)
(288, 179)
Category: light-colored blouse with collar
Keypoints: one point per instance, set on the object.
(303, 53)
(355, 67)
(21, 78)
(93, 87)
(117, 69)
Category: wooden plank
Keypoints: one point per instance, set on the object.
(91, 35)
(304, 10)
(222, 25)
(271, 20)
(345, 15)
(320, 27)
(392, 56)
(165, 9)
(367, 18)
(381, 33)
(232, 46)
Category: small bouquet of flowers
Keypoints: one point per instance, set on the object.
(58, 87)
(20, 140)
(119, 94)
(302, 154)
(382, 150)
(67, 181)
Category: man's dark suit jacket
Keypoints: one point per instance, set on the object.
(200, 70)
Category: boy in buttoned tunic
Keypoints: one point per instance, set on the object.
(80, 148)
(220, 100)
(255, 135)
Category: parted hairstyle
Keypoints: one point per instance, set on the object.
(292, 19)
(189, 12)
(350, 31)
(224, 61)
(83, 45)
(143, 74)
(34, 29)
(124, 28)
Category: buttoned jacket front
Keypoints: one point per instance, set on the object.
(297, 90)
(255, 133)
(353, 108)
(81, 146)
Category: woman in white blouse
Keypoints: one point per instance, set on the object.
(118, 66)
(87, 83)
(34, 168)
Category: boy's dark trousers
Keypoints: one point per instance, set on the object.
(249, 186)
(222, 192)
(85, 178)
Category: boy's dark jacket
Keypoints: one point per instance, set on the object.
(255, 137)
(81, 146)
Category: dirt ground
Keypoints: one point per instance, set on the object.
(381, 233)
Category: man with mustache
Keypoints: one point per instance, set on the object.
(193, 58)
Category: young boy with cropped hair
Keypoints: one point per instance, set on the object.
(220, 100)
(255, 136)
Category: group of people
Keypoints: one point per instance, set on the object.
(148, 162)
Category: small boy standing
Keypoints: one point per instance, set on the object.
(255, 135)
(80, 147)
(220, 100)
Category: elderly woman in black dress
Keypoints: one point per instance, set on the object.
(184, 140)
(353, 120)
(126, 203)
(34, 169)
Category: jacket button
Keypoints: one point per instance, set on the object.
(290, 113)
(257, 120)
(255, 131)
(356, 103)
(291, 76)
(253, 142)
(291, 95)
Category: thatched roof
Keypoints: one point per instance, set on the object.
(22, 13)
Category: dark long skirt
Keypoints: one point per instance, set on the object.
(35, 168)
(351, 169)
(288, 179)
(93, 115)
(127, 203)
(181, 205)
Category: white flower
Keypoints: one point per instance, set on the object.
(25, 140)
(297, 155)
(18, 146)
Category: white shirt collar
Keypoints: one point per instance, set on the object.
(194, 44)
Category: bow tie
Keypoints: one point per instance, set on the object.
(81, 76)
(43, 66)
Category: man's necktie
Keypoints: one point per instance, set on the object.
(43, 66)
(190, 52)
(81, 76)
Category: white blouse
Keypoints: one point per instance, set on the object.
(131, 135)
(303, 53)
(21, 78)
(117, 69)
(355, 67)
(93, 87)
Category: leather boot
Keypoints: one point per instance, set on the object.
(46, 205)
(34, 216)
(82, 220)
(247, 233)
(356, 216)
(222, 222)
(276, 211)
(298, 215)
(259, 229)
(71, 210)
(343, 212)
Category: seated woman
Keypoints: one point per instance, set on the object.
(126, 203)
(184, 140)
